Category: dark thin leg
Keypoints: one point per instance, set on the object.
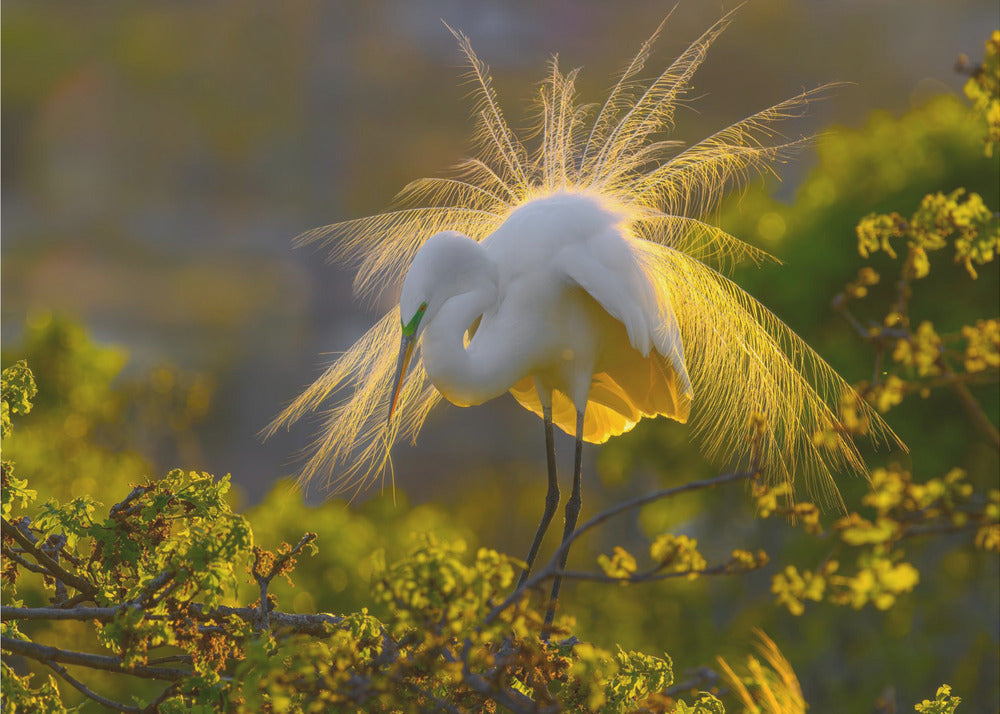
(551, 498)
(572, 512)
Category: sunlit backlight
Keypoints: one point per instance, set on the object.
(742, 360)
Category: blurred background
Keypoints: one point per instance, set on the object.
(158, 158)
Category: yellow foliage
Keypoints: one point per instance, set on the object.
(922, 351)
(982, 348)
(677, 554)
(621, 564)
(983, 88)
(889, 393)
(875, 232)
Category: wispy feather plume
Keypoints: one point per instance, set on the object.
(620, 96)
(741, 358)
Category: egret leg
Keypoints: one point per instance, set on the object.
(572, 513)
(551, 497)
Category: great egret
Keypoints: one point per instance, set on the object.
(581, 278)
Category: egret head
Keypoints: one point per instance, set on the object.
(447, 264)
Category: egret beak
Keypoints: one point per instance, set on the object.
(405, 352)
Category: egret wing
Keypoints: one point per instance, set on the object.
(606, 267)
(644, 372)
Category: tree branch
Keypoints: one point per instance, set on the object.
(101, 614)
(46, 655)
(154, 706)
(704, 679)
(124, 507)
(974, 411)
(277, 565)
(318, 624)
(645, 577)
(552, 569)
(26, 564)
(89, 693)
(155, 584)
(882, 336)
(55, 570)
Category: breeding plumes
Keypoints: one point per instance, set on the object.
(582, 276)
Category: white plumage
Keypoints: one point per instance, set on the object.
(561, 312)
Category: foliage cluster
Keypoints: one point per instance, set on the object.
(983, 88)
(155, 578)
(920, 360)
(155, 574)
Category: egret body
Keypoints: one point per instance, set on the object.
(557, 303)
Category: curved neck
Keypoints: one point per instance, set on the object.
(473, 375)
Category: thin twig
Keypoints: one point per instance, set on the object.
(155, 584)
(551, 569)
(264, 579)
(317, 625)
(122, 508)
(881, 336)
(89, 693)
(78, 600)
(154, 706)
(648, 576)
(26, 564)
(165, 593)
(974, 411)
(55, 570)
(46, 654)
(186, 659)
(705, 678)
(52, 547)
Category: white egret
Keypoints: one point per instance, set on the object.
(581, 278)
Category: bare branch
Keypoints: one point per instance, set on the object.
(277, 565)
(154, 706)
(552, 569)
(318, 624)
(55, 570)
(89, 693)
(26, 564)
(704, 679)
(46, 655)
(646, 577)
(101, 614)
(122, 508)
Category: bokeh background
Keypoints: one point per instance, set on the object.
(158, 158)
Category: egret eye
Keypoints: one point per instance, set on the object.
(411, 327)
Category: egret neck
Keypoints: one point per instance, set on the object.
(468, 375)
